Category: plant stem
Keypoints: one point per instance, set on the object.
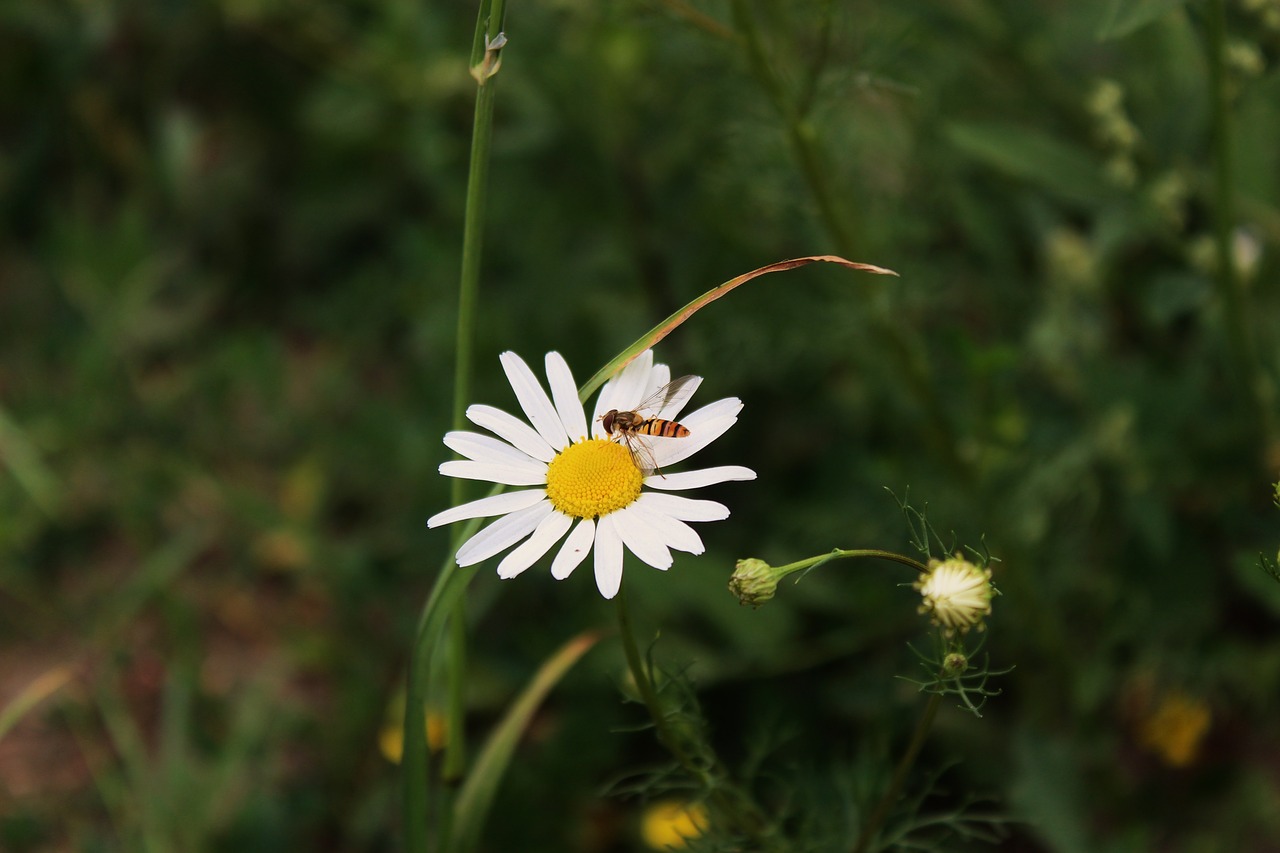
(644, 685)
(447, 595)
(733, 809)
(840, 553)
(473, 239)
(800, 133)
(908, 759)
(1254, 384)
(448, 590)
(842, 227)
(488, 29)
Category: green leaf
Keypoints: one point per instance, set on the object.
(1034, 156)
(476, 796)
(29, 469)
(1126, 16)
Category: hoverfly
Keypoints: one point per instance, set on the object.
(643, 420)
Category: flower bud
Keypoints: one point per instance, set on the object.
(957, 594)
(754, 581)
(954, 664)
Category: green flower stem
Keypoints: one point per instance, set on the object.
(489, 25)
(891, 796)
(732, 807)
(877, 818)
(449, 589)
(447, 596)
(841, 553)
(1240, 341)
(488, 29)
(644, 685)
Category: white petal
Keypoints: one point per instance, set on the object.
(705, 426)
(624, 391)
(672, 410)
(726, 407)
(502, 534)
(486, 448)
(659, 376)
(485, 507)
(509, 475)
(535, 402)
(564, 393)
(674, 532)
(608, 557)
(574, 550)
(697, 479)
(685, 509)
(512, 429)
(548, 533)
(641, 539)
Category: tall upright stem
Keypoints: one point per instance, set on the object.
(731, 806)
(447, 596)
(843, 228)
(1246, 368)
(891, 796)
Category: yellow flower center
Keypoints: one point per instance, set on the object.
(593, 478)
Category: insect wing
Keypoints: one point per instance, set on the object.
(641, 453)
(669, 399)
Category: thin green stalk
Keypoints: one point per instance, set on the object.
(840, 553)
(1244, 355)
(818, 63)
(754, 581)
(843, 228)
(644, 685)
(800, 132)
(447, 596)
(488, 23)
(473, 228)
(448, 590)
(905, 763)
(731, 805)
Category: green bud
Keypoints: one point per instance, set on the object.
(954, 664)
(754, 581)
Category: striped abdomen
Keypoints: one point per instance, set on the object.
(662, 428)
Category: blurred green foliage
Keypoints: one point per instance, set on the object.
(228, 266)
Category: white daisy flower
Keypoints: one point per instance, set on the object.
(583, 482)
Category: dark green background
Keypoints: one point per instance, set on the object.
(228, 273)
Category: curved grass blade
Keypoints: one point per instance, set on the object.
(476, 796)
(33, 694)
(670, 324)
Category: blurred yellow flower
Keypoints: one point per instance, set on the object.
(391, 738)
(1174, 729)
(669, 824)
(281, 550)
